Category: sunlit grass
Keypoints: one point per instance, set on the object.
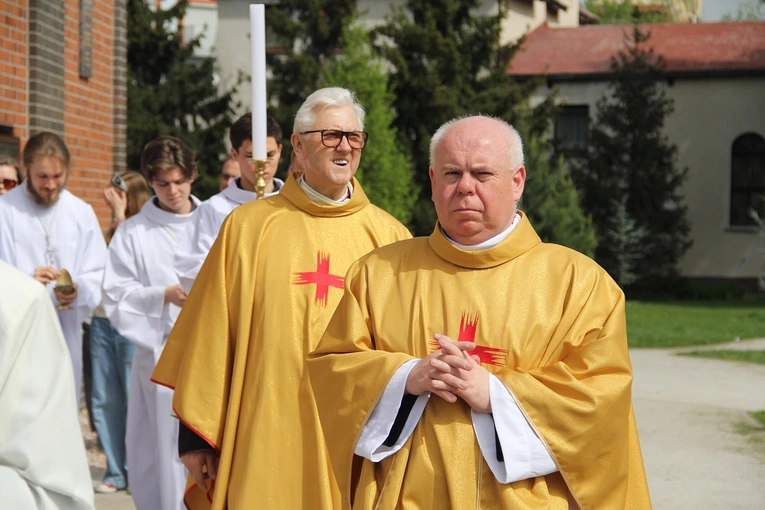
(683, 323)
(731, 355)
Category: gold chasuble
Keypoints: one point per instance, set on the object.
(236, 355)
(547, 321)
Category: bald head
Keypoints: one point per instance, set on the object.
(507, 137)
(477, 177)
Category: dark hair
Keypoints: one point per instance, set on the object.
(44, 145)
(12, 162)
(166, 153)
(241, 130)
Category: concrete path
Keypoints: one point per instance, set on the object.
(701, 449)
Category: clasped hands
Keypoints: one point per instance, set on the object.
(450, 373)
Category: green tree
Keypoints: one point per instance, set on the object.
(170, 92)
(627, 240)
(446, 61)
(309, 34)
(551, 202)
(630, 159)
(386, 170)
(615, 12)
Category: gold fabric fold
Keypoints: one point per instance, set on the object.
(236, 354)
(548, 322)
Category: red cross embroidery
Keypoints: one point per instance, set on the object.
(321, 277)
(487, 355)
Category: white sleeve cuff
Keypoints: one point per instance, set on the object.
(378, 427)
(525, 456)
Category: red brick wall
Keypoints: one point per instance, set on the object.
(13, 65)
(88, 107)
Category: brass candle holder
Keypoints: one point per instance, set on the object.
(65, 286)
(260, 184)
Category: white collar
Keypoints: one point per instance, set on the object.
(158, 215)
(318, 198)
(489, 243)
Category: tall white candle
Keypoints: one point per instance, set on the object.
(258, 47)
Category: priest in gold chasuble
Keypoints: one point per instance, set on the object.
(259, 305)
(479, 367)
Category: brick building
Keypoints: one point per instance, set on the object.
(63, 69)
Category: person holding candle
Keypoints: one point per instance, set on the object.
(201, 232)
(259, 305)
(44, 229)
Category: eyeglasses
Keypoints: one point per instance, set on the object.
(332, 138)
(8, 183)
(119, 182)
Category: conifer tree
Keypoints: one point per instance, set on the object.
(309, 35)
(171, 92)
(446, 61)
(627, 240)
(551, 202)
(630, 159)
(385, 170)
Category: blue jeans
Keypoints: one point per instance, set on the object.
(111, 355)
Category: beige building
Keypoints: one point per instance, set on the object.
(716, 76)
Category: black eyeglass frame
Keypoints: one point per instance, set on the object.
(118, 182)
(364, 137)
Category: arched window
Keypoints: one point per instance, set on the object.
(747, 184)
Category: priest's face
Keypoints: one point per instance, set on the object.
(249, 172)
(47, 178)
(474, 190)
(328, 170)
(173, 190)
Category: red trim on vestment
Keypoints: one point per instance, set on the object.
(195, 486)
(195, 431)
(162, 384)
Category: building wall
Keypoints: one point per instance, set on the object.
(41, 88)
(89, 106)
(14, 78)
(709, 115)
(526, 15)
(201, 19)
(232, 49)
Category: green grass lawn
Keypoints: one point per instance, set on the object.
(759, 416)
(681, 323)
(730, 355)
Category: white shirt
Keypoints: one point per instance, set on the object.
(139, 266)
(65, 235)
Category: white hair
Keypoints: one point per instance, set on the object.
(513, 138)
(324, 98)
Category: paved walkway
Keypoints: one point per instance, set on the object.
(701, 449)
